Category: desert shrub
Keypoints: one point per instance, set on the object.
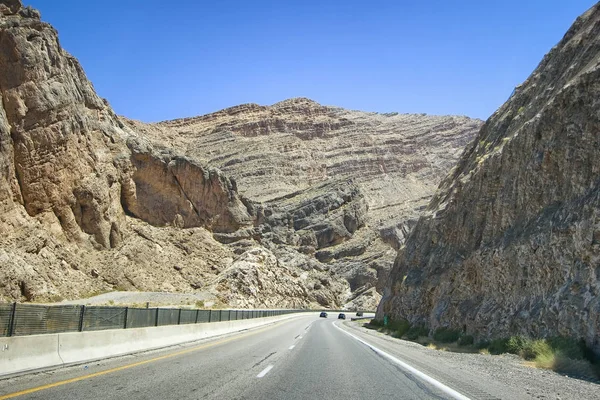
(535, 349)
(498, 346)
(399, 327)
(374, 324)
(466, 340)
(484, 344)
(516, 344)
(446, 335)
(415, 331)
(570, 348)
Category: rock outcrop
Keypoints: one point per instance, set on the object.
(510, 243)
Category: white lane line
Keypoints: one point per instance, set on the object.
(412, 370)
(291, 347)
(264, 371)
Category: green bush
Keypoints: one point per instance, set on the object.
(374, 324)
(446, 335)
(399, 327)
(415, 331)
(466, 340)
(570, 348)
(532, 349)
(516, 344)
(498, 346)
(535, 349)
(484, 344)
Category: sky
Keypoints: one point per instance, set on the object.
(156, 60)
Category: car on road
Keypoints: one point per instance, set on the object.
(323, 315)
(342, 316)
(359, 313)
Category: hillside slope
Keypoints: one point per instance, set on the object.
(510, 243)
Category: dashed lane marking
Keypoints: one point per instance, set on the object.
(264, 371)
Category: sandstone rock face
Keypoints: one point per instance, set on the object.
(91, 202)
(165, 188)
(510, 243)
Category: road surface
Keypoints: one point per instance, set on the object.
(302, 358)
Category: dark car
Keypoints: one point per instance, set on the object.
(359, 313)
(323, 315)
(342, 316)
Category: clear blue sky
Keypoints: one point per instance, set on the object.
(155, 60)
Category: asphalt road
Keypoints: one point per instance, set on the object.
(302, 358)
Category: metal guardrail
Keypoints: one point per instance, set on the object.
(33, 319)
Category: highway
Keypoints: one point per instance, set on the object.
(301, 358)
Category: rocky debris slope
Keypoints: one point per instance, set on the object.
(510, 243)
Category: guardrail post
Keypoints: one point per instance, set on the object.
(13, 314)
(81, 318)
(125, 322)
(209, 315)
(197, 312)
(156, 320)
(179, 318)
(220, 315)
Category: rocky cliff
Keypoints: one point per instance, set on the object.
(510, 243)
(294, 204)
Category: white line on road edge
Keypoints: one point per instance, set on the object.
(292, 346)
(264, 371)
(412, 370)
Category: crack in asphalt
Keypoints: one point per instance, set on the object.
(261, 361)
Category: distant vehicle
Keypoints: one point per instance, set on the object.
(359, 313)
(342, 316)
(323, 315)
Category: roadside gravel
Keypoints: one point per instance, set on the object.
(481, 376)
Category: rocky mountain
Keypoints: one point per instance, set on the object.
(336, 188)
(510, 243)
(396, 160)
(292, 205)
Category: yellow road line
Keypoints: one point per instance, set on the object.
(110, 371)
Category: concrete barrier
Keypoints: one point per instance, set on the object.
(24, 353)
(27, 353)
